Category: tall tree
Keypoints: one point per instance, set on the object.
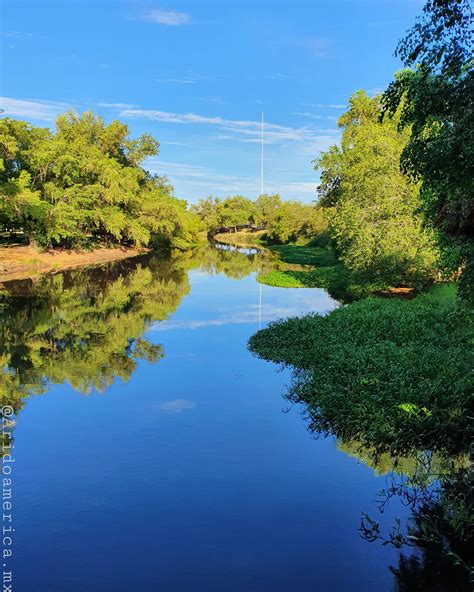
(435, 102)
(371, 205)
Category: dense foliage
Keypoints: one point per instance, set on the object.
(372, 207)
(435, 103)
(233, 213)
(85, 182)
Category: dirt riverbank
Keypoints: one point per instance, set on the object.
(21, 262)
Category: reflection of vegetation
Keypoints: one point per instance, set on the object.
(83, 327)
(395, 376)
(441, 530)
(420, 466)
(235, 263)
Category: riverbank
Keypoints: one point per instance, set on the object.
(311, 266)
(22, 262)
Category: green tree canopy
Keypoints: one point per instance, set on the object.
(85, 182)
(371, 205)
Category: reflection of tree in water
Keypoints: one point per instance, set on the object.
(437, 487)
(441, 532)
(234, 263)
(84, 326)
(438, 490)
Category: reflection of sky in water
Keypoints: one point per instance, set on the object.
(225, 301)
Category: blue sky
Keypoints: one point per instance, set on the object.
(197, 75)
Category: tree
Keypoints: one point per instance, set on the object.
(371, 205)
(236, 211)
(207, 211)
(266, 208)
(20, 206)
(435, 105)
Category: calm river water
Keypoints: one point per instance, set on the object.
(154, 453)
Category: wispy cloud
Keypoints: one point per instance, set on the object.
(117, 105)
(278, 76)
(177, 406)
(327, 105)
(170, 18)
(250, 130)
(377, 90)
(15, 34)
(33, 109)
(206, 181)
(176, 80)
(304, 114)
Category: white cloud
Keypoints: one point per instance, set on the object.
(251, 130)
(304, 114)
(278, 76)
(15, 34)
(177, 406)
(204, 181)
(117, 105)
(167, 17)
(32, 109)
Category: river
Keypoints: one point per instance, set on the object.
(153, 452)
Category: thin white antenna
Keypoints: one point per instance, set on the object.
(261, 164)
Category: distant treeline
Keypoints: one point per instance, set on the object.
(84, 183)
(283, 221)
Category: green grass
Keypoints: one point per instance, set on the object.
(321, 276)
(395, 375)
(324, 271)
(305, 255)
(281, 279)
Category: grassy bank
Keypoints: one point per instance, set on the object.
(306, 266)
(392, 374)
